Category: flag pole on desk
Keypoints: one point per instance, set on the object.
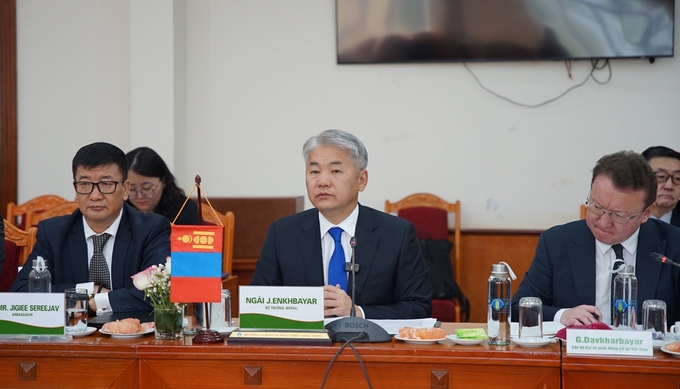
(197, 267)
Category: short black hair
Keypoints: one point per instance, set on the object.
(100, 154)
(660, 151)
(628, 171)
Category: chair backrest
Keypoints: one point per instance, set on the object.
(24, 240)
(226, 220)
(30, 208)
(584, 210)
(66, 208)
(10, 266)
(419, 200)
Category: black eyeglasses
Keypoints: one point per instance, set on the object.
(616, 218)
(661, 178)
(146, 193)
(104, 187)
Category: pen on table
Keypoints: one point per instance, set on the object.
(225, 276)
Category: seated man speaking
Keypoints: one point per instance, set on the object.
(301, 250)
(105, 241)
(572, 270)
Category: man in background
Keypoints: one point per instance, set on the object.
(572, 269)
(105, 241)
(665, 163)
(311, 248)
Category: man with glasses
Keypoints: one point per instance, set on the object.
(665, 163)
(573, 266)
(105, 241)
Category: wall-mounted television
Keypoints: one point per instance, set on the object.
(383, 31)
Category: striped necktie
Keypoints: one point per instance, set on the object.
(99, 270)
(336, 266)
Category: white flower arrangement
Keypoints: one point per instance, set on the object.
(155, 283)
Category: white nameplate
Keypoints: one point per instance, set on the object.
(602, 342)
(281, 307)
(32, 314)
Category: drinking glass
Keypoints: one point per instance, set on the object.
(654, 318)
(76, 310)
(530, 317)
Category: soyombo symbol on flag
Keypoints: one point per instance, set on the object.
(196, 264)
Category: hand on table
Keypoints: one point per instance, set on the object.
(583, 314)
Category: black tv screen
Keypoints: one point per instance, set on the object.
(381, 31)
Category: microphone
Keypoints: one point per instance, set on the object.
(355, 269)
(355, 328)
(663, 259)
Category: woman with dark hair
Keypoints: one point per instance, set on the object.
(154, 189)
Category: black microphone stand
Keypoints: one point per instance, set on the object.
(352, 327)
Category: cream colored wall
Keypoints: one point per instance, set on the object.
(257, 78)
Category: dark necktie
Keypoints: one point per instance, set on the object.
(99, 271)
(618, 250)
(336, 266)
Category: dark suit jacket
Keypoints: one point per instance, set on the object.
(142, 240)
(392, 282)
(562, 273)
(675, 216)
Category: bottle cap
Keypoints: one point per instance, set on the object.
(503, 268)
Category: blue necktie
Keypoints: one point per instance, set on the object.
(336, 266)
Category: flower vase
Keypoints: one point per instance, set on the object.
(168, 323)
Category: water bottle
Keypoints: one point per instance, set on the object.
(498, 318)
(39, 279)
(625, 299)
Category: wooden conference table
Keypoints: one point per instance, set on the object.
(98, 361)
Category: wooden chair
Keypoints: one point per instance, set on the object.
(227, 220)
(30, 208)
(584, 210)
(23, 242)
(417, 208)
(430, 200)
(66, 208)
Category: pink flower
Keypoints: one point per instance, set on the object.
(142, 280)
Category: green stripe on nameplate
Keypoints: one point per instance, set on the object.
(12, 328)
(262, 321)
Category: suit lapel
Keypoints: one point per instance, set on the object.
(120, 249)
(647, 271)
(581, 254)
(309, 244)
(77, 248)
(367, 244)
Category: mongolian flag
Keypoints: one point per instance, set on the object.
(196, 274)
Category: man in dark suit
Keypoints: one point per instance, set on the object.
(300, 250)
(103, 243)
(665, 163)
(572, 270)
